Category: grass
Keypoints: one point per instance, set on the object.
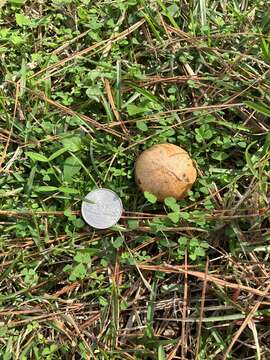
(85, 87)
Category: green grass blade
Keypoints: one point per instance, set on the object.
(260, 107)
(167, 13)
(203, 12)
(149, 333)
(118, 85)
(147, 94)
(249, 161)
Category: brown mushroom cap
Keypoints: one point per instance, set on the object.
(165, 170)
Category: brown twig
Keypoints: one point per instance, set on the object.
(247, 320)
(184, 316)
(201, 276)
(201, 312)
(111, 101)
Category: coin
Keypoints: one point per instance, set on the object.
(102, 208)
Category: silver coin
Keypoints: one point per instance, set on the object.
(102, 208)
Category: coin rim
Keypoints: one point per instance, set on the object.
(83, 211)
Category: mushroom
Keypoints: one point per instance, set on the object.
(165, 170)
